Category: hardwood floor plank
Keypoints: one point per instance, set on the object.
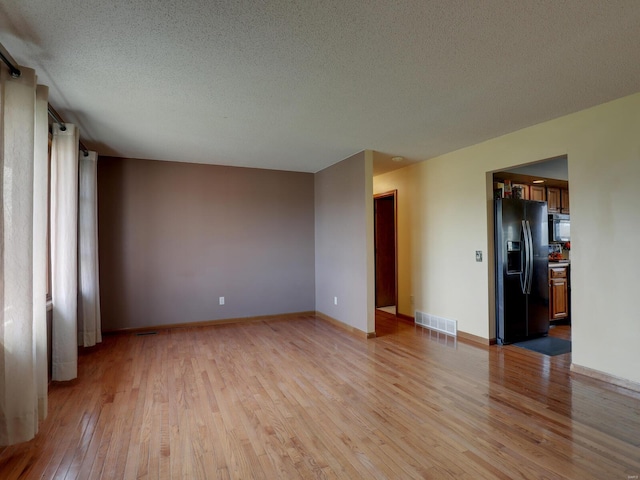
(301, 398)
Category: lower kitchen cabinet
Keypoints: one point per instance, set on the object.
(558, 292)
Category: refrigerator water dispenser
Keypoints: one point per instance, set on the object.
(514, 258)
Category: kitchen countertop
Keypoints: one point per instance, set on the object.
(559, 263)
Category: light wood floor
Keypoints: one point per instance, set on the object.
(303, 399)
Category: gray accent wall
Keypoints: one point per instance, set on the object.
(344, 241)
(174, 237)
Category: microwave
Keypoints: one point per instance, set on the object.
(559, 228)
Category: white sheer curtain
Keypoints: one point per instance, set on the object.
(89, 327)
(23, 254)
(22, 325)
(64, 251)
(74, 252)
(40, 217)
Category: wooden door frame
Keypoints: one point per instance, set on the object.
(394, 195)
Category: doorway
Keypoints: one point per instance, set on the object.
(385, 248)
(544, 181)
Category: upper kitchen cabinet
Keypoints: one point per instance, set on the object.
(553, 200)
(538, 192)
(558, 200)
(564, 200)
(524, 190)
(553, 191)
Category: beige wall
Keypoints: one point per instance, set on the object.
(451, 217)
(174, 237)
(344, 241)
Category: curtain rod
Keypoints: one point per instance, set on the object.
(10, 62)
(56, 117)
(15, 73)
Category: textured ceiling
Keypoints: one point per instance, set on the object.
(300, 85)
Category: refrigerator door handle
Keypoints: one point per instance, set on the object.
(524, 255)
(529, 258)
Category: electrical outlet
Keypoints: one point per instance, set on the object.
(478, 255)
(335, 300)
(221, 300)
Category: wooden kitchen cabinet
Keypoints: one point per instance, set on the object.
(557, 197)
(538, 193)
(558, 292)
(564, 200)
(554, 201)
(524, 189)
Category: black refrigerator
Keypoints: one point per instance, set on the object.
(522, 270)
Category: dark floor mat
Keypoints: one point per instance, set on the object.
(546, 345)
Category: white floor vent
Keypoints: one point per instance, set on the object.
(450, 327)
